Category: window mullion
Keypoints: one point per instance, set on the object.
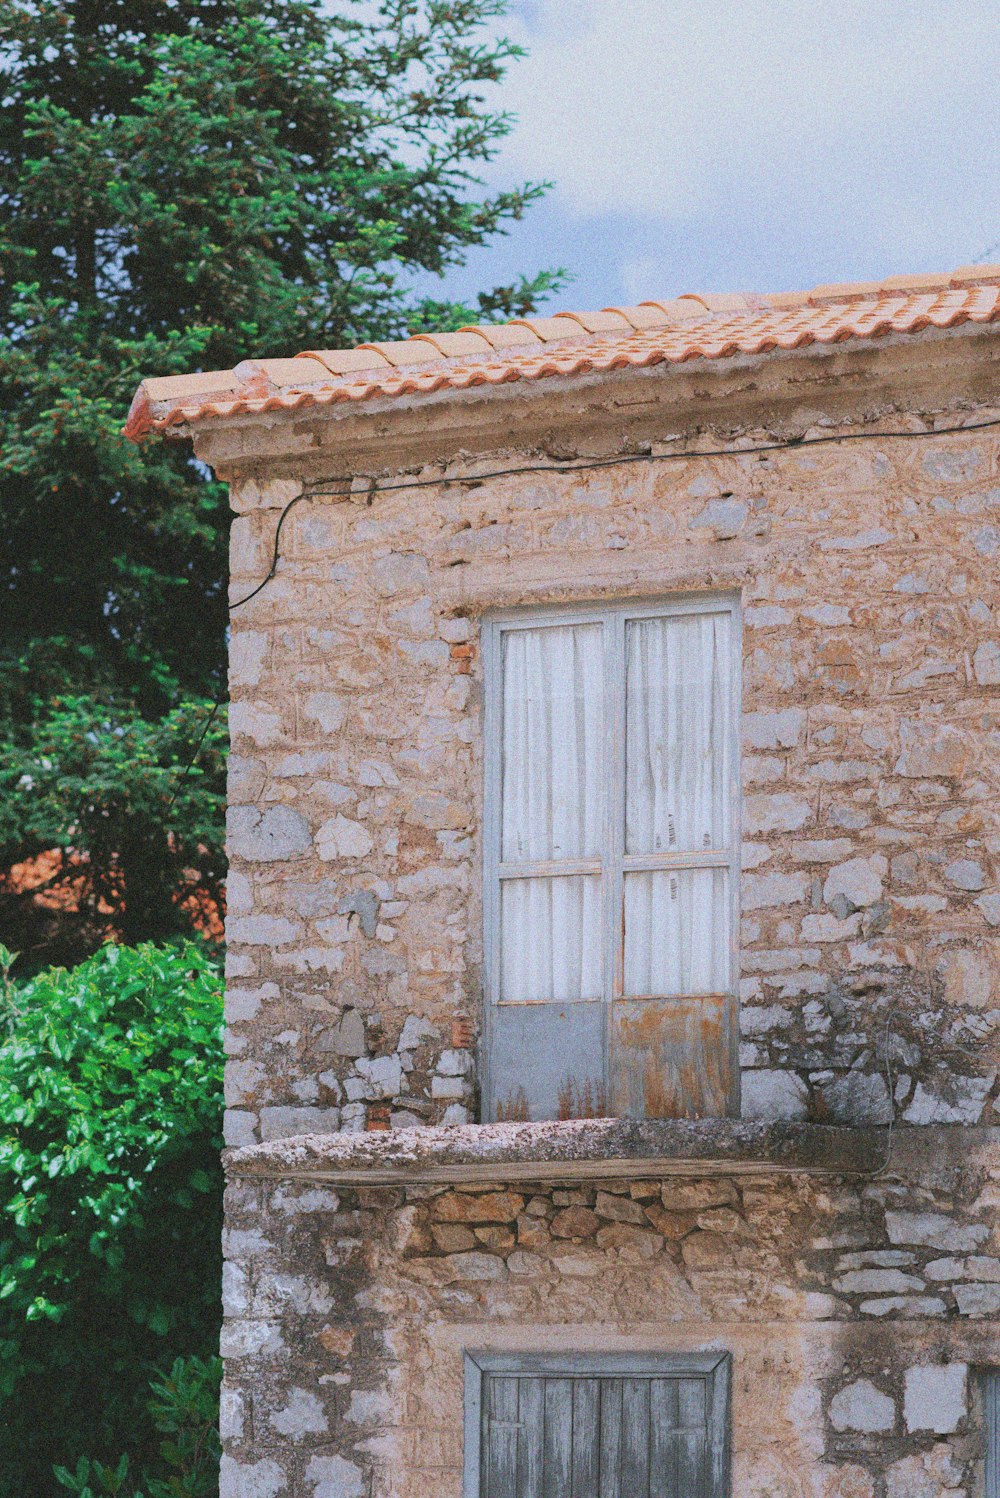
(560, 868)
(615, 828)
(607, 861)
(712, 858)
(492, 734)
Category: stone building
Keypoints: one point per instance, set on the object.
(614, 985)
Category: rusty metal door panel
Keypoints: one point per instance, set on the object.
(672, 1058)
(547, 1061)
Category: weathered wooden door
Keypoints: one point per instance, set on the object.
(600, 1437)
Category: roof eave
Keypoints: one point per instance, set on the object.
(782, 390)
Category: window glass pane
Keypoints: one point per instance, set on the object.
(677, 733)
(676, 932)
(550, 939)
(553, 710)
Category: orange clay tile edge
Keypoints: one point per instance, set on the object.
(572, 343)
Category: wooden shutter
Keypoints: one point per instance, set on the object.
(991, 1420)
(634, 1436)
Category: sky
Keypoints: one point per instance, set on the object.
(735, 145)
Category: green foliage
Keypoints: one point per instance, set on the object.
(185, 1408)
(185, 184)
(9, 1006)
(106, 786)
(110, 1199)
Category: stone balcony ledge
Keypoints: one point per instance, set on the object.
(576, 1150)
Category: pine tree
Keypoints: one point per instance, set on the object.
(184, 184)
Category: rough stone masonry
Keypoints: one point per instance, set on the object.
(856, 1294)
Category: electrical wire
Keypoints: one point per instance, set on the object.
(276, 555)
(344, 491)
(210, 719)
(790, 444)
(889, 1034)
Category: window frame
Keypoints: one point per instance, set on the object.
(613, 616)
(989, 1399)
(714, 1366)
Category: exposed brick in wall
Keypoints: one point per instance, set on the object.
(870, 771)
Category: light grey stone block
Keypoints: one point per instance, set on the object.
(251, 1479)
(302, 1415)
(286, 1123)
(333, 1477)
(935, 1230)
(935, 1397)
(858, 1098)
(862, 1407)
(774, 1095)
(965, 873)
(277, 832)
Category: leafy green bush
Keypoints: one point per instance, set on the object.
(184, 1406)
(110, 1202)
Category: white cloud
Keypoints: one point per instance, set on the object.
(732, 144)
(647, 105)
(869, 125)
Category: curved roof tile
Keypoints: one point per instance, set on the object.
(571, 343)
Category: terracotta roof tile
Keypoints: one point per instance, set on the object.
(452, 345)
(654, 332)
(505, 334)
(680, 308)
(348, 360)
(979, 275)
(183, 387)
(844, 291)
(787, 301)
(596, 322)
(915, 283)
(548, 329)
(646, 315)
(726, 301)
(280, 372)
(406, 351)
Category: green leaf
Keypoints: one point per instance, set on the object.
(107, 1231)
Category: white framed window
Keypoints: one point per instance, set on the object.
(611, 847)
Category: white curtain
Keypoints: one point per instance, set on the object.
(553, 716)
(677, 734)
(677, 748)
(550, 939)
(678, 763)
(552, 809)
(676, 932)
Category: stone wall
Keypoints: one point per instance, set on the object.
(858, 1311)
(871, 764)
